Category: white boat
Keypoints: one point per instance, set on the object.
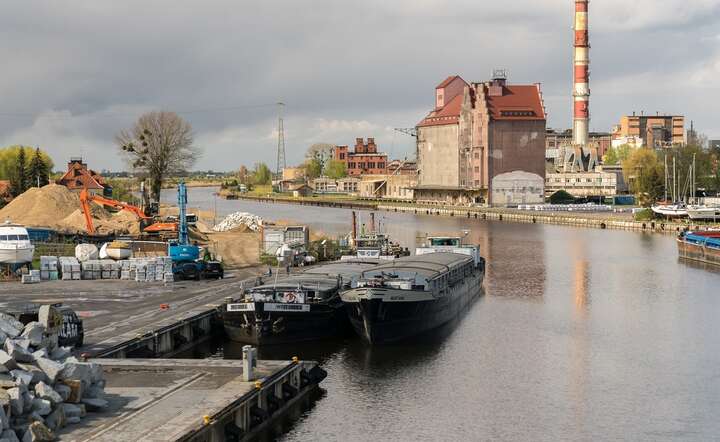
(15, 246)
(700, 213)
(671, 210)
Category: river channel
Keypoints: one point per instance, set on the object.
(581, 335)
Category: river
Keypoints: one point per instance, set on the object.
(581, 335)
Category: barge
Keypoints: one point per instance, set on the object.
(700, 246)
(403, 298)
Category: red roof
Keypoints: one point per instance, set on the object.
(79, 176)
(448, 114)
(518, 102)
(447, 81)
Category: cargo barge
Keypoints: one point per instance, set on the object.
(412, 295)
(700, 246)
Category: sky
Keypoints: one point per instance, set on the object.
(75, 73)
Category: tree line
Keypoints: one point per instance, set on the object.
(24, 167)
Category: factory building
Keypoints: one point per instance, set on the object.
(364, 159)
(650, 130)
(482, 137)
(557, 142)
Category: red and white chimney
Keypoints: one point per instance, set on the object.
(581, 91)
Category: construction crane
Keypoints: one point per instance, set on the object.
(181, 250)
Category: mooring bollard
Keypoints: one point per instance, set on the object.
(249, 362)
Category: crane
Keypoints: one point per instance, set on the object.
(86, 198)
(181, 250)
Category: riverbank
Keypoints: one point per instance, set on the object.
(597, 220)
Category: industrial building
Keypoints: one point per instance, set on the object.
(478, 139)
(557, 143)
(363, 159)
(650, 130)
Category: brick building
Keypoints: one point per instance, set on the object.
(654, 130)
(363, 160)
(79, 177)
(478, 133)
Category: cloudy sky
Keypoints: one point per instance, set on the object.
(76, 72)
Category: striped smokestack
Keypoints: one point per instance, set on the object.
(581, 92)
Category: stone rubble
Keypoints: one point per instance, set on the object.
(43, 388)
(237, 219)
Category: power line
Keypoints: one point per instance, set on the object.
(132, 115)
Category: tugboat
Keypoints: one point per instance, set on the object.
(412, 295)
(293, 308)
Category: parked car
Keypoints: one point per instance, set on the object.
(187, 270)
(212, 270)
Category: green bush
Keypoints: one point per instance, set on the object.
(644, 215)
(561, 197)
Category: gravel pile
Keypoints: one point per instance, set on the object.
(237, 220)
(43, 388)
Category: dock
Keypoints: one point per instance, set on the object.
(195, 400)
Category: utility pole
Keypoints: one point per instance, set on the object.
(281, 144)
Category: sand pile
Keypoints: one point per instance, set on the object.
(59, 208)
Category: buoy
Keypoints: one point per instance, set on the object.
(206, 420)
(258, 385)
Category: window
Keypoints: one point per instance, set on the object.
(371, 165)
(381, 165)
(342, 155)
(477, 169)
(351, 166)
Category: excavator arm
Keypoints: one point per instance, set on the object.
(86, 198)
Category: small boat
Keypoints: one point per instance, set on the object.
(15, 245)
(704, 213)
(411, 295)
(678, 210)
(376, 246)
(700, 246)
(295, 308)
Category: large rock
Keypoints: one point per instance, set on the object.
(16, 351)
(95, 404)
(42, 406)
(34, 332)
(7, 361)
(63, 390)
(72, 410)
(4, 419)
(38, 432)
(60, 353)
(9, 436)
(56, 420)
(22, 377)
(17, 404)
(80, 371)
(10, 326)
(41, 353)
(37, 374)
(51, 368)
(50, 318)
(7, 380)
(44, 391)
(76, 390)
(96, 390)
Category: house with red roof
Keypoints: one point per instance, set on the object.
(79, 177)
(483, 143)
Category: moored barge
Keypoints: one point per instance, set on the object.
(700, 246)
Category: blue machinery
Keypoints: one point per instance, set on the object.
(182, 250)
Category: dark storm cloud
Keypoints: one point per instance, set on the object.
(77, 72)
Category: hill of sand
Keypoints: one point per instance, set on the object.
(59, 208)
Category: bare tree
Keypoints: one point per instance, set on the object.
(159, 144)
(320, 152)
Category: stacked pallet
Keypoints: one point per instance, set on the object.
(31, 278)
(70, 268)
(157, 269)
(101, 269)
(48, 268)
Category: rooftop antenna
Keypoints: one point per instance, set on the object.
(281, 143)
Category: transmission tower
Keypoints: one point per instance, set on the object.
(281, 144)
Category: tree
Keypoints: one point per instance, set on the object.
(645, 175)
(159, 144)
(38, 172)
(262, 174)
(243, 175)
(8, 161)
(561, 197)
(19, 181)
(313, 168)
(320, 152)
(336, 169)
(616, 155)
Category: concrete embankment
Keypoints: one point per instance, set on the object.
(598, 220)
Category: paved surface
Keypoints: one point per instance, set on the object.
(115, 311)
(163, 399)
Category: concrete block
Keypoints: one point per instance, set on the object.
(33, 332)
(42, 406)
(38, 432)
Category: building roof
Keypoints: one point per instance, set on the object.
(518, 102)
(447, 81)
(78, 176)
(448, 114)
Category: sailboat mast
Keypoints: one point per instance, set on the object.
(694, 187)
(666, 179)
(674, 191)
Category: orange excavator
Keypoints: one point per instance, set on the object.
(146, 222)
